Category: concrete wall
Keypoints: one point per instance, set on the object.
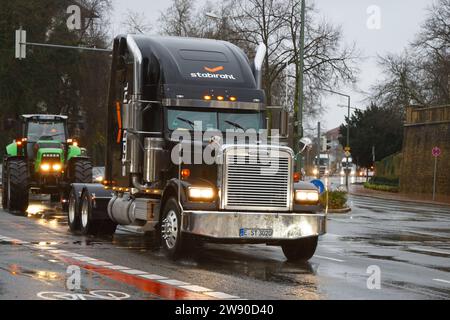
(425, 129)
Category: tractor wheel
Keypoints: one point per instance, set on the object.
(82, 171)
(17, 186)
(4, 186)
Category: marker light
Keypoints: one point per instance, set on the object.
(220, 98)
(185, 173)
(201, 193)
(306, 196)
(297, 177)
(207, 98)
(233, 99)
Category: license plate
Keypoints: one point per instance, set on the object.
(256, 233)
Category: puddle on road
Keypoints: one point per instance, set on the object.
(41, 275)
(257, 267)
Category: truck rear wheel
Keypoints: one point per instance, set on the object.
(82, 171)
(17, 186)
(90, 225)
(300, 250)
(171, 235)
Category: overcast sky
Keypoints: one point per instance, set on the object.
(399, 22)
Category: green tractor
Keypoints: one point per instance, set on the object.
(44, 161)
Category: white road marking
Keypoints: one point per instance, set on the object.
(84, 259)
(134, 272)
(175, 283)
(100, 263)
(443, 281)
(430, 250)
(327, 258)
(120, 268)
(152, 277)
(220, 295)
(196, 288)
(58, 251)
(70, 254)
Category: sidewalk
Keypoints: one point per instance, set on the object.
(359, 190)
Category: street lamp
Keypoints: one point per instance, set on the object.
(347, 149)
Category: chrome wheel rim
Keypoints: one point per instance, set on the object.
(71, 209)
(85, 213)
(170, 229)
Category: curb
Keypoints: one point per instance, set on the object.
(339, 211)
(400, 200)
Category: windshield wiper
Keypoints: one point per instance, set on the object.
(234, 124)
(189, 122)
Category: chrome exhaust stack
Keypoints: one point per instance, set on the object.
(258, 64)
(133, 116)
(134, 111)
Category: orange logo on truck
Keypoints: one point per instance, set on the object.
(214, 70)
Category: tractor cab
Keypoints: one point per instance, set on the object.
(45, 135)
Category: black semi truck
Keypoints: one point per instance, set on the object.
(161, 87)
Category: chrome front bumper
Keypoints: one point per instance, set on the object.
(230, 225)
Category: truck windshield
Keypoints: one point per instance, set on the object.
(46, 131)
(214, 120)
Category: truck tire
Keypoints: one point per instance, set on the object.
(300, 250)
(171, 235)
(73, 212)
(17, 187)
(91, 226)
(82, 171)
(4, 187)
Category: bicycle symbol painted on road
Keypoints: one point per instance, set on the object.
(93, 295)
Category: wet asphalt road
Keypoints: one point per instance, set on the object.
(409, 243)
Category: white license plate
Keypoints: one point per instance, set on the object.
(255, 233)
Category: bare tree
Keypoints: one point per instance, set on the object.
(178, 19)
(136, 22)
(421, 74)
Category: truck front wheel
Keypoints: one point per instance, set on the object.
(171, 236)
(300, 250)
(17, 186)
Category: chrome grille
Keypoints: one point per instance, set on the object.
(255, 182)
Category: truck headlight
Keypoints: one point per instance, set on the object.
(315, 172)
(201, 194)
(306, 196)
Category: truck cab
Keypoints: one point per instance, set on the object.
(188, 153)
